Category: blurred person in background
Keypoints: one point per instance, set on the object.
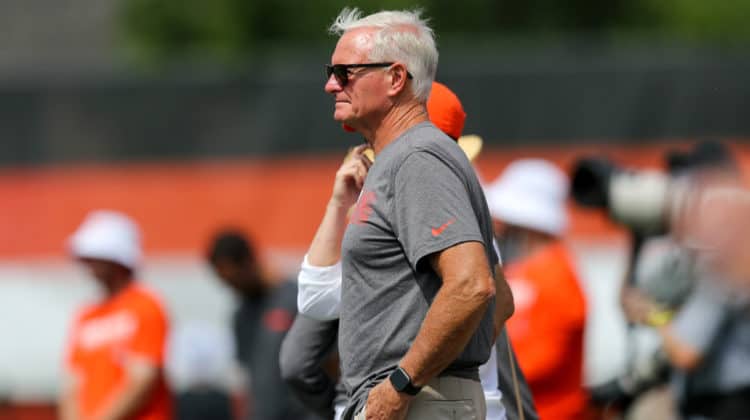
(320, 298)
(417, 301)
(527, 203)
(198, 364)
(266, 311)
(662, 268)
(706, 339)
(116, 347)
(718, 226)
(305, 353)
(707, 343)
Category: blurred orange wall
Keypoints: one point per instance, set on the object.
(179, 205)
(30, 411)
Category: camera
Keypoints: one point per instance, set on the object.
(642, 201)
(645, 201)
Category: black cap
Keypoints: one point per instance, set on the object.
(705, 154)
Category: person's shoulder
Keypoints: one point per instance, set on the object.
(287, 288)
(143, 298)
(435, 147)
(89, 310)
(427, 137)
(142, 293)
(550, 261)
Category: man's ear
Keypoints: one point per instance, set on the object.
(398, 79)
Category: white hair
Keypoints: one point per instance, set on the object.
(403, 36)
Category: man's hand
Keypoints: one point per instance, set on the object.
(351, 177)
(636, 305)
(504, 305)
(67, 407)
(325, 249)
(385, 403)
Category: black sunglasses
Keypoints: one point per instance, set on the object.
(342, 71)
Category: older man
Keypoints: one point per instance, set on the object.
(319, 298)
(418, 288)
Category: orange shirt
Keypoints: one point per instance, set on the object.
(547, 331)
(104, 335)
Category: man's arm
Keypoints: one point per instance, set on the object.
(468, 287)
(319, 280)
(306, 347)
(142, 377)
(325, 249)
(319, 291)
(699, 318)
(504, 305)
(66, 406)
(681, 355)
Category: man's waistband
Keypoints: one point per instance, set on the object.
(465, 373)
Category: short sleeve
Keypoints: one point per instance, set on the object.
(151, 332)
(431, 207)
(701, 317)
(319, 291)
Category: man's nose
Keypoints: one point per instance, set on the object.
(332, 84)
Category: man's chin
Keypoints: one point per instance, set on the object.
(347, 125)
(342, 118)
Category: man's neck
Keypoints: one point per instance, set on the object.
(263, 285)
(115, 286)
(396, 122)
(519, 243)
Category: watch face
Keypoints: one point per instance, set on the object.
(399, 380)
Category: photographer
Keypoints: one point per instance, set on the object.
(708, 344)
(708, 340)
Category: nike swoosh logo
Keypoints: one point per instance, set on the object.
(438, 230)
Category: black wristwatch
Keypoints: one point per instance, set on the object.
(402, 382)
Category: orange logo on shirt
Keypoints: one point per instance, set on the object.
(101, 331)
(363, 209)
(278, 320)
(438, 230)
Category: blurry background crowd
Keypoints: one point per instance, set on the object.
(195, 116)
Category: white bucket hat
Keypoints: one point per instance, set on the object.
(530, 193)
(110, 236)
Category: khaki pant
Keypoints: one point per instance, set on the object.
(445, 398)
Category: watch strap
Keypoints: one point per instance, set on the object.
(401, 381)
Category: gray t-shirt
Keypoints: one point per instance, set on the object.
(421, 196)
(715, 321)
(260, 324)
